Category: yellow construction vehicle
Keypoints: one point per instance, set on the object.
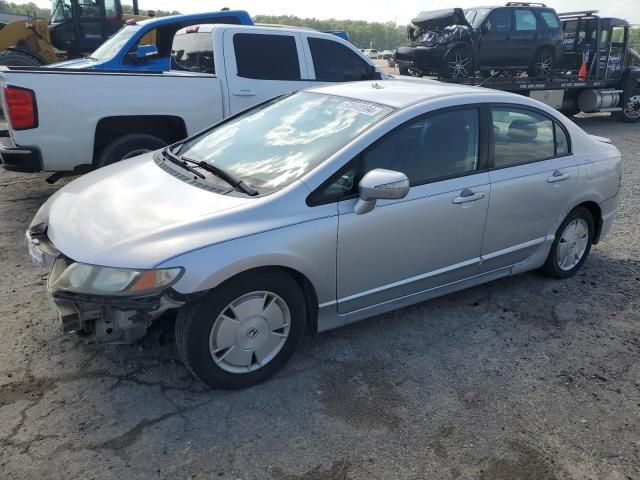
(76, 28)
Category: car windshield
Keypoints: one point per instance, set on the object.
(274, 144)
(475, 16)
(114, 44)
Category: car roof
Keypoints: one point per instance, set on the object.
(400, 93)
(193, 16)
(210, 27)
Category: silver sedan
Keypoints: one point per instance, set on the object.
(318, 209)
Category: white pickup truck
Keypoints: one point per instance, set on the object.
(64, 120)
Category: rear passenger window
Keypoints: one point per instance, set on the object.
(431, 148)
(525, 20)
(334, 62)
(550, 19)
(266, 57)
(193, 52)
(522, 136)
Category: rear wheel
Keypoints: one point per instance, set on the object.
(458, 63)
(571, 245)
(542, 65)
(630, 110)
(242, 332)
(19, 59)
(128, 146)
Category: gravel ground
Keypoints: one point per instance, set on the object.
(525, 378)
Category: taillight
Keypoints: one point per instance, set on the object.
(21, 107)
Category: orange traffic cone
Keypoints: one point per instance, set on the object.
(582, 74)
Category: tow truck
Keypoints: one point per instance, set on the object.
(609, 81)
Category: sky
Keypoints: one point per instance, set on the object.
(400, 11)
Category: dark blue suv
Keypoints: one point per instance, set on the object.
(454, 43)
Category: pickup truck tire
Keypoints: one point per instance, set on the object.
(128, 146)
(630, 110)
(18, 59)
(243, 331)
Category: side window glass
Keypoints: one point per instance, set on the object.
(193, 52)
(562, 142)
(334, 62)
(266, 57)
(550, 19)
(521, 136)
(110, 9)
(525, 20)
(429, 148)
(499, 21)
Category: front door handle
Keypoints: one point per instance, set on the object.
(245, 92)
(467, 196)
(558, 176)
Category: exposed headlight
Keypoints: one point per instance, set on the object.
(93, 279)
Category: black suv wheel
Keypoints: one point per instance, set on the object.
(542, 65)
(458, 63)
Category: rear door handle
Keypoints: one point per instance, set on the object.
(467, 196)
(244, 93)
(558, 176)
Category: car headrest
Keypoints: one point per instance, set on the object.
(523, 129)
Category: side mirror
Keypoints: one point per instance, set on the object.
(380, 184)
(144, 51)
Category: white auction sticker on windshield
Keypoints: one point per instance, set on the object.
(370, 109)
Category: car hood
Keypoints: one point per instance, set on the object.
(435, 20)
(135, 214)
(75, 63)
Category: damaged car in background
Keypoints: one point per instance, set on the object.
(453, 43)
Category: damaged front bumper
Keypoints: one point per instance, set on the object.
(101, 319)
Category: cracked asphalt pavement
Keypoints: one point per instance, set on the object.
(524, 378)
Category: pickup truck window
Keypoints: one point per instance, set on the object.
(334, 62)
(111, 47)
(193, 52)
(274, 144)
(266, 57)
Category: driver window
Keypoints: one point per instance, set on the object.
(499, 21)
(429, 148)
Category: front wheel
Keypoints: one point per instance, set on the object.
(242, 332)
(571, 245)
(458, 63)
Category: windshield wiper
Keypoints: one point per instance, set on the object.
(178, 161)
(231, 179)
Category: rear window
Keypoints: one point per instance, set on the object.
(550, 19)
(525, 20)
(266, 57)
(193, 52)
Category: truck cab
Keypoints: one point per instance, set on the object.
(145, 45)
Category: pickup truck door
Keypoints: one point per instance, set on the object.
(260, 65)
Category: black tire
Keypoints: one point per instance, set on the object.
(630, 110)
(403, 70)
(552, 267)
(543, 64)
(462, 57)
(196, 320)
(19, 59)
(128, 146)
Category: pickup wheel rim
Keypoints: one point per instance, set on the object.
(460, 66)
(632, 107)
(250, 332)
(573, 244)
(135, 153)
(543, 67)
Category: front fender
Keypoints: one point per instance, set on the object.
(308, 248)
